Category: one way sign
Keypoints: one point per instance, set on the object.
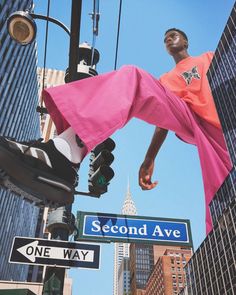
(54, 253)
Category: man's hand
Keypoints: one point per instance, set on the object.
(145, 175)
(146, 169)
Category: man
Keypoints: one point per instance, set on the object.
(180, 82)
(88, 111)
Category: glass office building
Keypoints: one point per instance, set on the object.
(156, 269)
(18, 101)
(141, 265)
(212, 269)
(124, 277)
(221, 76)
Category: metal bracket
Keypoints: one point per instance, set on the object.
(87, 194)
(41, 110)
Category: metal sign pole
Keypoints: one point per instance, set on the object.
(54, 277)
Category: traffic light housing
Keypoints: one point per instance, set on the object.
(100, 172)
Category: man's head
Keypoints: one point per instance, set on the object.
(175, 41)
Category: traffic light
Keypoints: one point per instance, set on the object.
(100, 172)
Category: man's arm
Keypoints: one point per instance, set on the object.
(147, 167)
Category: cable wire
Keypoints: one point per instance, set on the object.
(118, 35)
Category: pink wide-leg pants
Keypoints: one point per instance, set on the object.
(96, 107)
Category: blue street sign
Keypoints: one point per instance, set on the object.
(107, 227)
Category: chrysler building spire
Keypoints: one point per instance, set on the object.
(129, 206)
(122, 280)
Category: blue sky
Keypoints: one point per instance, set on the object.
(143, 23)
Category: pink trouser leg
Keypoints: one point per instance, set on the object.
(96, 107)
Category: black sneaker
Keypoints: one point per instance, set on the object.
(38, 172)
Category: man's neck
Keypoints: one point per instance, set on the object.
(180, 56)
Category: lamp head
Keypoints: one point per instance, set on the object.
(22, 27)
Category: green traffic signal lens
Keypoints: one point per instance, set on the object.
(101, 180)
(102, 176)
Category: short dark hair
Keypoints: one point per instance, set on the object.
(179, 31)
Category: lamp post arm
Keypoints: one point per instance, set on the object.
(52, 20)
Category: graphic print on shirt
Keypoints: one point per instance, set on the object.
(188, 76)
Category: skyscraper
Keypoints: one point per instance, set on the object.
(124, 277)
(212, 269)
(157, 269)
(221, 77)
(19, 99)
(141, 265)
(168, 276)
(122, 250)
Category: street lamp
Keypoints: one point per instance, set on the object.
(22, 27)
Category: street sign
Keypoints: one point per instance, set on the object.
(54, 253)
(105, 227)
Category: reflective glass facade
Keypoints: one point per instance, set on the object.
(18, 101)
(124, 277)
(223, 198)
(141, 265)
(221, 77)
(212, 269)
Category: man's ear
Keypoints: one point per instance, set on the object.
(186, 44)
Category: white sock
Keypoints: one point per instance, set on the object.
(66, 144)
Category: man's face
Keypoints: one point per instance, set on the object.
(175, 42)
